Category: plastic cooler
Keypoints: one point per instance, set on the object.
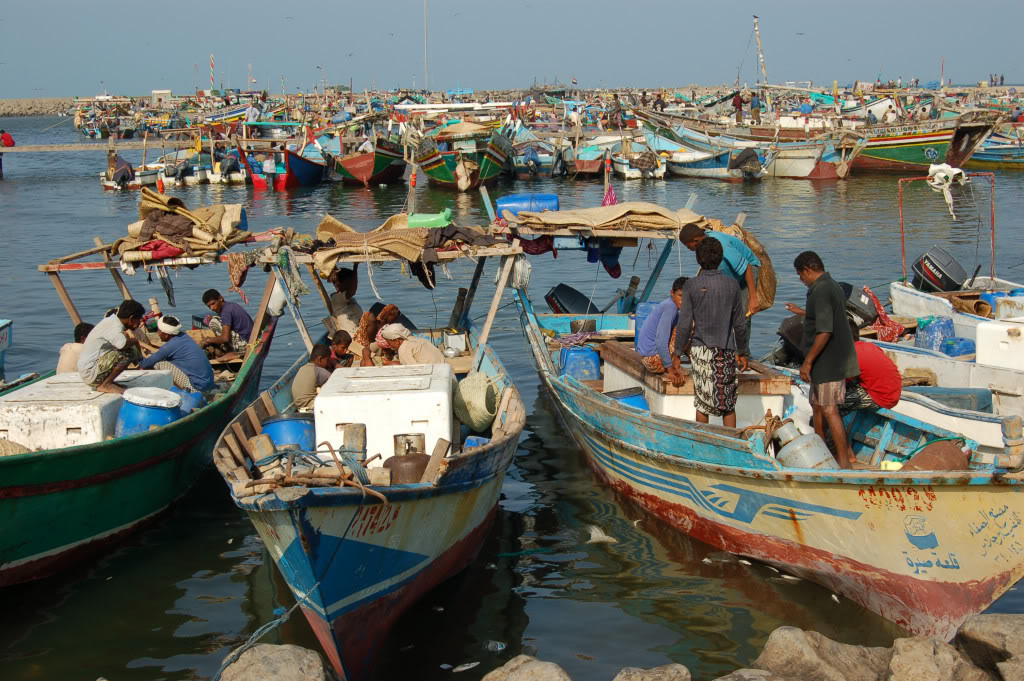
(145, 408)
(514, 203)
(932, 331)
(294, 430)
(643, 311)
(580, 362)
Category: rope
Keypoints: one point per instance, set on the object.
(771, 424)
(369, 268)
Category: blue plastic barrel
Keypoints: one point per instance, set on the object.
(931, 331)
(957, 346)
(1017, 292)
(643, 311)
(189, 400)
(580, 362)
(138, 418)
(991, 296)
(514, 203)
(630, 397)
(296, 430)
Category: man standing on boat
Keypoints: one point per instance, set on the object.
(755, 109)
(830, 356)
(655, 339)
(737, 103)
(182, 356)
(110, 347)
(714, 329)
(738, 261)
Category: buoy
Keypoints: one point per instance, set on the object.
(160, 184)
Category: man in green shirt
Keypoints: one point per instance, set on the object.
(831, 357)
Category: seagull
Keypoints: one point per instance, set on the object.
(350, 54)
(801, 34)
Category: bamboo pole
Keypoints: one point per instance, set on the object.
(64, 297)
(113, 272)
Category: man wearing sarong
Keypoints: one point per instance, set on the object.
(713, 324)
(655, 339)
(738, 261)
(110, 347)
(182, 356)
(231, 325)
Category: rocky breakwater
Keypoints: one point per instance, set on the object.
(38, 106)
(986, 648)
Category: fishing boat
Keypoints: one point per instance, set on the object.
(358, 534)
(535, 157)
(723, 165)
(925, 549)
(915, 146)
(999, 152)
(383, 165)
(637, 161)
(72, 484)
(463, 155)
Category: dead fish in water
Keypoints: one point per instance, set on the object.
(835, 598)
(464, 667)
(598, 536)
(744, 562)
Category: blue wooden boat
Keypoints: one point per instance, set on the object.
(533, 156)
(301, 170)
(999, 151)
(925, 549)
(687, 162)
(356, 554)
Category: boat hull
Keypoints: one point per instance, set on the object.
(384, 165)
(64, 506)
(300, 172)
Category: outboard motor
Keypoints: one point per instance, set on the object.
(938, 271)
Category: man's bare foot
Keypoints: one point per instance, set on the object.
(110, 388)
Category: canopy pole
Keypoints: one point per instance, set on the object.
(64, 297)
(261, 314)
(301, 325)
(463, 322)
(320, 287)
(496, 301)
(113, 272)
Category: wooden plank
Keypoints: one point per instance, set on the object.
(496, 301)
(320, 287)
(261, 314)
(243, 439)
(254, 420)
(594, 384)
(64, 297)
(268, 403)
(436, 457)
(236, 451)
(81, 254)
(113, 272)
(300, 324)
(473, 286)
(498, 428)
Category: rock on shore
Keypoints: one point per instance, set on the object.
(39, 106)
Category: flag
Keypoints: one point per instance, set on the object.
(574, 80)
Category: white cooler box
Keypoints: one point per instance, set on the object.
(389, 400)
(1001, 343)
(61, 411)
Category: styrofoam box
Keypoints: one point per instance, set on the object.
(1001, 344)
(62, 411)
(389, 400)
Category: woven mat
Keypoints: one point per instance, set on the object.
(635, 215)
(393, 237)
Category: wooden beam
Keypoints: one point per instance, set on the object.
(268, 403)
(64, 297)
(436, 457)
(113, 272)
(299, 323)
(473, 285)
(243, 441)
(320, 287)
(81, 254)
(496, 301)
(261, 314)
(254, 420)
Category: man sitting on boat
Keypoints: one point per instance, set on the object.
(310, 377)
(347, 312)
(110, 347)
(738, 261)
(409, 349)
(182, 356)
(655, 339)
(879, 384)
(714, 329)
(70, 352)
(231, 325)
(830, 357)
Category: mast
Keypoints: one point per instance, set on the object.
(764, 72)
(425, 81)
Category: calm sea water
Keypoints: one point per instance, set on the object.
(172, 602)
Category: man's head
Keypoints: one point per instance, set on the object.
(345, 281)
(213, 300)
(340, 342)
(82, 331)
(168, 327)
(691, 235)
(709, 254)
(130, 313)
(808, 267)
(677, 290)
(395, 335)
(854, 329)
(319, 355)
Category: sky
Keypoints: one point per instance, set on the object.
(51, 48)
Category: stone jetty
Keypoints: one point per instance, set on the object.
(37, 106)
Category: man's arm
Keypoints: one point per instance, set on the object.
(820, 341)
(160, 354)
(748, 275)
(662, 337)
(224, 337)
(739, 327)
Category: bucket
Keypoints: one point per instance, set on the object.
(630, 397)
(189, 400)
(931, 331)
(643, 311)
(295, 430)
(144, 408)
(957, 346)
(807, 451)
(580, 362)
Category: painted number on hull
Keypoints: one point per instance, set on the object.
(898, 498)
(374, 519)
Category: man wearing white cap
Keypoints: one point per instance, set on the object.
(411, 349)
(182, 356)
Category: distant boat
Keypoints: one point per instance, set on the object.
(687, 162)
(383, 165)
(473, 155)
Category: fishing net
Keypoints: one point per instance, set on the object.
(766, 280)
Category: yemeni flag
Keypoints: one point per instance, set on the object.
(574, 80)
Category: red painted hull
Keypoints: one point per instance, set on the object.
(823, 170)
(590, 167)
(354, 640)
(361, 168)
